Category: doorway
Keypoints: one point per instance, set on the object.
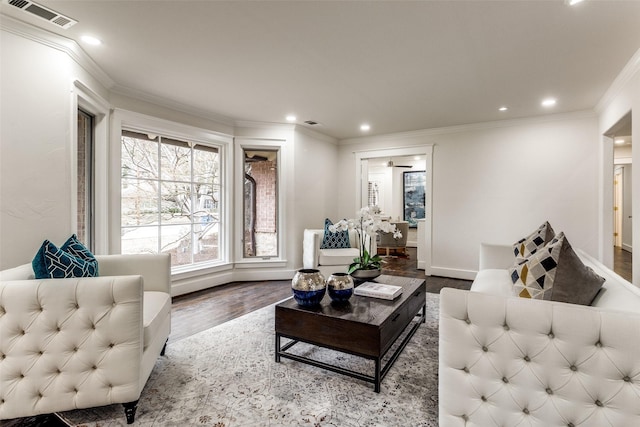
(621, 134)
(375, 171)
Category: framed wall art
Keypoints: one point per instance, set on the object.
(413, 196)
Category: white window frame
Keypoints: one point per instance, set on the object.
(123, 119)
(279, 145)
(86, 99)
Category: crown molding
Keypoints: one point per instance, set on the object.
(628, 72)
(160, 101)
(55, 41)
(315, 134)
(468, 127)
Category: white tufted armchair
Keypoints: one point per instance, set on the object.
(519, 362)
(83, 342)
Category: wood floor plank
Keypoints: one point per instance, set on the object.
(199, 311)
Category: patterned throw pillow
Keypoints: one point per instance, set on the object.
(52, 262)
(529, 245)
(533, 277)
(556, 273)
(337, 240)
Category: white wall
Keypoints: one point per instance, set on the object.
(623, 96)
(496, 182)
(35, 146)
(315, 187)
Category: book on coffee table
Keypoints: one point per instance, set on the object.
(378, 290)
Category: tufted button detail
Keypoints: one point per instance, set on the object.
(527, 359)
(505, 380)
(466, 369)
(468, 321)
(40, 395)
(484, 399)
(506, 327)
(550, 335)
(111, 345)
(598, 403)
(571, 425)
(549, 391)
(484, 348)
(22, 332)
(77, 306)
(58, 371)
(93, 327)
(598, 344)
(57, 328)
(626, 379)
(526, 411)
(94, 367)
(573, 368)
(75, 389)
(75, 349)
(464, 417)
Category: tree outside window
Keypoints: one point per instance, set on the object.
(170, 195)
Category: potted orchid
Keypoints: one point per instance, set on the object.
(366, 224)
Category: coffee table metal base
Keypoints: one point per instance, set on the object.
(380, 371)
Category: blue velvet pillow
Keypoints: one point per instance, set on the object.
(72, 260)
(337, 240)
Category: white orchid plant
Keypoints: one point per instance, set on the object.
(366, 224)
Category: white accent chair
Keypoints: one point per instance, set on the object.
(387, 241)
(507, 361)
(328, 261)
(82, 342)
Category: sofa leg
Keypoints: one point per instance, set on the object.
(164, 347)
(130, 411)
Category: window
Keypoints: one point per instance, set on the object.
(84, 196)
(260, 203)
(170, 198)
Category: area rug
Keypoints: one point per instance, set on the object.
(227, 376)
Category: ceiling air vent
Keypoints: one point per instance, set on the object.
(311, 122)
(43, 13)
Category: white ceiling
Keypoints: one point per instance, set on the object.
(396, 65)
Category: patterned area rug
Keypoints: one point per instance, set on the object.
(227, 376)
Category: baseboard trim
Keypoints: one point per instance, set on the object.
(198, 283)
(627, 248)
(453, 273)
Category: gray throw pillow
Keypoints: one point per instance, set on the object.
(555, 273)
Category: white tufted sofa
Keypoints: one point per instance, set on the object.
(82, 342)
(508, 361)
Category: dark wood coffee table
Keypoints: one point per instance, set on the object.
(366, 327)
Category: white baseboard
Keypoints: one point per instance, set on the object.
(453, 273)
(198, 283)
(627, 248)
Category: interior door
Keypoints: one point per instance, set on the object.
(618, 202)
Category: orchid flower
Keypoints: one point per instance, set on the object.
(366, 224)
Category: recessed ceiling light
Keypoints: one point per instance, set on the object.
(549, 102)
(619, 141)
(291, 118)
(91, 40)
(365, 127)
(574, 2)
(502, 109)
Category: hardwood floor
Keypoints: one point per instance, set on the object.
(199, 311)
(622, 262)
